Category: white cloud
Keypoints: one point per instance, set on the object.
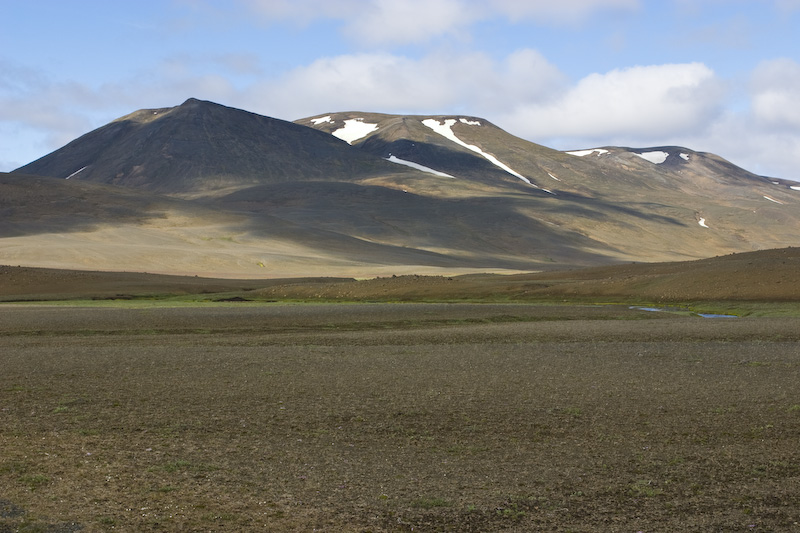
(354, 82)
(768, 138)
(564, 11)
(739, 139)
(392, 22)
(391, 83)
(527, 76)
(645, 102)
(776, 93)
(409, 21)
(375, 22)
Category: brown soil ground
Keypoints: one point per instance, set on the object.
(27, 283)
(396, 417)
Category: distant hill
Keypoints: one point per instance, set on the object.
(657, 203)
(764, 276)
(206, 189)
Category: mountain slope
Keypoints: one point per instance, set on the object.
(473, 148)
(206, 189)
(199, 147)
(663, 203)
(407, 139)
(59, 223)
(478, 231)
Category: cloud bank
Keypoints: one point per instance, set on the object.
(389, 22)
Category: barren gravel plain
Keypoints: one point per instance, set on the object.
(396, 417)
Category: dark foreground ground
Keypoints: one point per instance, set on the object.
(397, 418)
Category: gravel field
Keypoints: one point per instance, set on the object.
(407, 417)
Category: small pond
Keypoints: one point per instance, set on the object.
(674, 309)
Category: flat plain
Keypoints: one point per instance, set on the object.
(396, 417)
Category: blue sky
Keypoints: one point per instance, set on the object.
(712, 75)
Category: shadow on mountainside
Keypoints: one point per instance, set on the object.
(487, 229)
(458, 162)
(32, 205)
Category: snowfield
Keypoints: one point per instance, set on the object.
(656, 157)
(446, 131)
(354, 129)
(423, 168)
(582, 153)
(321, 120)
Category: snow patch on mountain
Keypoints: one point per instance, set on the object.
(773, 200)
(684, 156)
(795, 187)
(75, 173)
(470, 122)
(423, 168)
(702, 222)
(321, 120)
(354, 129)
(446, 131)
(656, 157)
(555, 178)
(582, 153)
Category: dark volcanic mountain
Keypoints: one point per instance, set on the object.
(362, 194)
(202, 146)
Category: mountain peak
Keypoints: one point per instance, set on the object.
(200, 146)
(192, 103)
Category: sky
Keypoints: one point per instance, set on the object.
(719, 76)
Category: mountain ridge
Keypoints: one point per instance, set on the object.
(374, 193)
